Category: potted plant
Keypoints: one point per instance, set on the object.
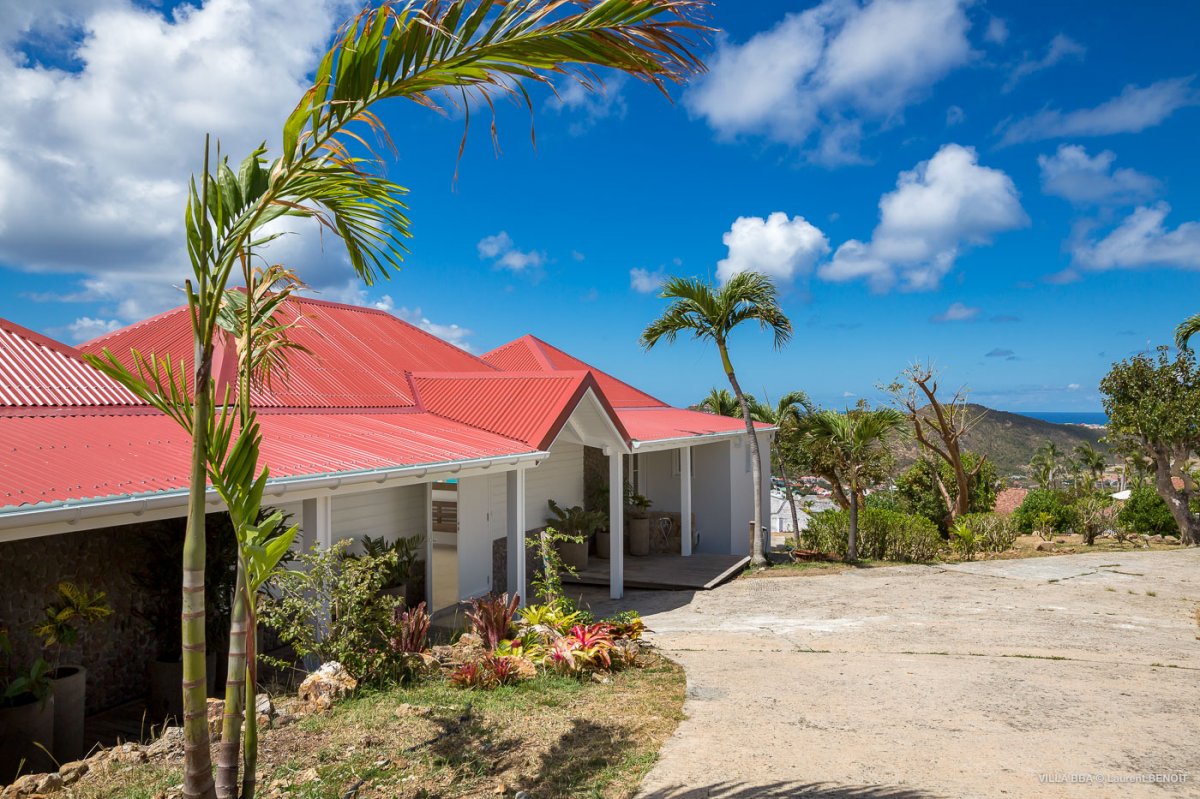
(26, 717)
(406, 575)
(638, 524)
(578, 523)
(74, 607)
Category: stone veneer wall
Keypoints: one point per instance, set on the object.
(595, 479)
(117, 650)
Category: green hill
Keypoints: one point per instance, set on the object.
(1009, 440)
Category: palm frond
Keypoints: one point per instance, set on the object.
(1187, 328)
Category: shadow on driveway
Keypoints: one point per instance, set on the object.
(786, 790)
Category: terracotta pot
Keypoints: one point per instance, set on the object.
(639, 536)
(603, 542)
(70, 694)
(23, 725)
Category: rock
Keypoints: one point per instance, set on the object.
(263, 706)
(49, 783)
(603, 679)
(169, 744)
(284, 719)
(71, 772)
(130, 754)
(526, 668)
(406, 709)
(1045, 546)
(24, 786)
(216, 712)
(1157, 539)
(522, 795)
(325, 686)
(306, 776)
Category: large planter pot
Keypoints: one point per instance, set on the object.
(24, 724)
(574, 554)
(639, 536)
(70, 692)
(603, 542)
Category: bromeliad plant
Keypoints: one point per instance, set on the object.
(430, 53)
(491, 617)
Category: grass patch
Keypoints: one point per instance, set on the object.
(555, 737)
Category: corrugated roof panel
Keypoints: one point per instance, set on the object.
(356, 357)
(530, 353)
(38, 372)
(527, 406)
(658, 424)
(90, 456)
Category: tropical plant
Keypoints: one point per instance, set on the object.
(785, 417)
(709, 313)
(407, 551)
(883, 535)
(919, 489)
(855, 443)
(16, 684)
(1153, 407)
(584, 648)
(547, 580)
(1044, 512)
(993, 532)
(410, 629)
(939, 427)
(964, 540)
(1145, 513)
(1045, 467)
(73, 607)
(1187, 329)
(575, 520)
(626, 624)
(1094, 514)
(549, 620)
(487, 673)
(721, 402)
(491, 617)
(472, 49)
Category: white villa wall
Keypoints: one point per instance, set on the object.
(474, 538)
(388, 512)
(711, 497)
(559, 477)
(660, 483)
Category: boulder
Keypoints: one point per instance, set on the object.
(468, 648)
(325, 686)
(73, 771)
(1045, 546)
(169, 744)
(49, 783)
(216, 712)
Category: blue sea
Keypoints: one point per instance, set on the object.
(1067, 417)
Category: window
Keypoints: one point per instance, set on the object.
(676, 463)
(633, 471)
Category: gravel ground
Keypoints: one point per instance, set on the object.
(1068, 676)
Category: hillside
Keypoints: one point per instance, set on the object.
(1010, 440)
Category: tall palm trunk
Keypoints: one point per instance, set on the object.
(791, 498)
(852, 536)
(756, 538)
(197, 767)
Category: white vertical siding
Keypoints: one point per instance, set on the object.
(476, 519)
(389, 512)
(660, 484)
(559, 477)
(711, 497)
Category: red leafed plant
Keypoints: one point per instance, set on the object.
(411, 629)
(585, 647)
(491, 617)
(490, 672)
(470, 675)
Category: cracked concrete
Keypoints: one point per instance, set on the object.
(986, 679)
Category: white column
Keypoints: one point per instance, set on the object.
(516, 533)
(308, 524)
(429, 547)
(616, 525)
(324, 519)
(685, 501)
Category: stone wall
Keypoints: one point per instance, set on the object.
(595, 479)
(117, 650)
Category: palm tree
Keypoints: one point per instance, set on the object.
(855, 443)
(1187, 328)
(711, 314)
(1092, 460)
(785, 416)
(1044, 464)
(468, 49)
(722, 403)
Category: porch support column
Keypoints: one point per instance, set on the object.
(685, 501)
(516, 533)
(317, 521)
(616, 524)
(427, 490)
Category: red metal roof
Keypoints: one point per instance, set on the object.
(527, 406)
(530, 353)
(659, 424)
(91, 456)
(357, 357)
(38, 372)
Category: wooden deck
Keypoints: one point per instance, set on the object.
(669, 572)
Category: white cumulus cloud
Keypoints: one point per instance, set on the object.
(103, 147)
(937, 210)
(781, 247)
(354, 293)
(823, 71)
(1091, 180)
(502, 251)
(644, 281)
(1134, 109)
(1142, 240)
(957, 312)
(86, 328)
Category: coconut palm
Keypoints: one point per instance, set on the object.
(722, 403)
(470, 50)
(1045, 466)
(855, 443)
(711, 314)
(1187, 328)
(1091, 460)
(784, 415)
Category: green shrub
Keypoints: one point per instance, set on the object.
(1040, 506)
(917, 491)
(1146, 513)
(993, 532)
(882, 535)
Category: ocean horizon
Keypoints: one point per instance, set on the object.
(1067, 417)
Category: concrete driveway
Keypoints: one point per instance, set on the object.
(1072, 676)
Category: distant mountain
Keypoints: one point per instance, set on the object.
(1009, 439)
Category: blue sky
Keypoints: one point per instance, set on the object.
(1006, 189)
